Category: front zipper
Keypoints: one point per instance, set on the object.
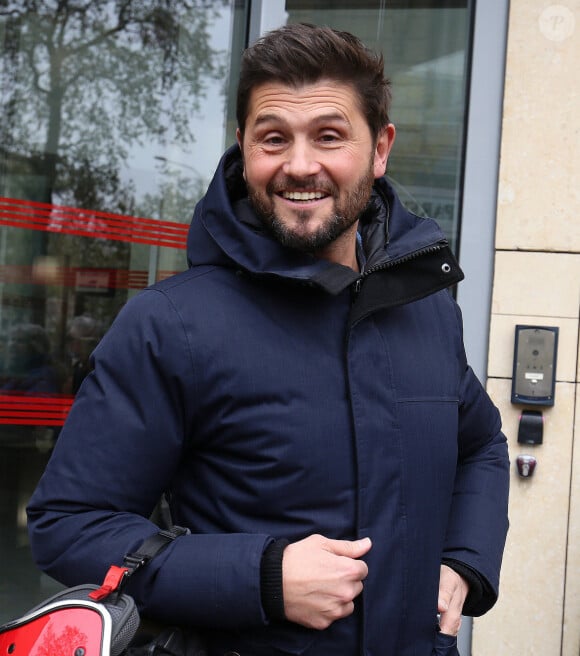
(402, 260)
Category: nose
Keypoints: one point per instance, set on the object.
(301, 160)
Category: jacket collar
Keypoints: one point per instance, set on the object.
(226, 232)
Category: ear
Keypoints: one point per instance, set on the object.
(385, 142)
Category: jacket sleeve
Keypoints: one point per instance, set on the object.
(478, 521)
(116, 454)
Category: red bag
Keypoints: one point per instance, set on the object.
(71, 624)
(92, 620)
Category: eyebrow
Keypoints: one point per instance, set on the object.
(324, 118)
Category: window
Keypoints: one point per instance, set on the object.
(112, 119)
(425, 44)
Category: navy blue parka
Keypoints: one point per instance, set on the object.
(274, 395)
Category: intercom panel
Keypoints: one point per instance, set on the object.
(534, 372)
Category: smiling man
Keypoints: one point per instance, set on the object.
(310, 161)
(301, 393)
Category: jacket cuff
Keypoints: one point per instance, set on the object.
(271, 588)
(481, 595)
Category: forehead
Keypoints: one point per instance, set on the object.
(275, 100)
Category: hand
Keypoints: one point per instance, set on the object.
(453, 590)
(321, 578)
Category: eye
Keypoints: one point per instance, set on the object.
(274, 140)
(329, 137)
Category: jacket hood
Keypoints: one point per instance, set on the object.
(226, 232)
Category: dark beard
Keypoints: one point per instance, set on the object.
(333, 227)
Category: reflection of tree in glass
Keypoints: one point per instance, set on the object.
(63, 644)
(81, 80)
(175, 200)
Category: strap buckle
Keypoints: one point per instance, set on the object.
(151, 547)
(113, 581)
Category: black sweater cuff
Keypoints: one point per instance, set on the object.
(271, 580)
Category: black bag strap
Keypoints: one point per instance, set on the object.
(151, 547)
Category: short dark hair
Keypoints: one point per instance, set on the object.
(301, 53)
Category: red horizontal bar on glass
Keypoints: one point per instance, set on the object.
(84, 277)
(27, 410)
(47, 217)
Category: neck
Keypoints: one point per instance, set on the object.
(342, 250)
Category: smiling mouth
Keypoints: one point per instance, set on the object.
(303, 195)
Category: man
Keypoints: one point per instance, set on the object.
(301, 393)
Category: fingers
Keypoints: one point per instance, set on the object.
(451, 624)
(352, 550)
(321, 578)
(453, 590)
(349, 548)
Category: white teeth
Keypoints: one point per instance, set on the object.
(302, 195)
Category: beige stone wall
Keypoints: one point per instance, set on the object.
(537, 282)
